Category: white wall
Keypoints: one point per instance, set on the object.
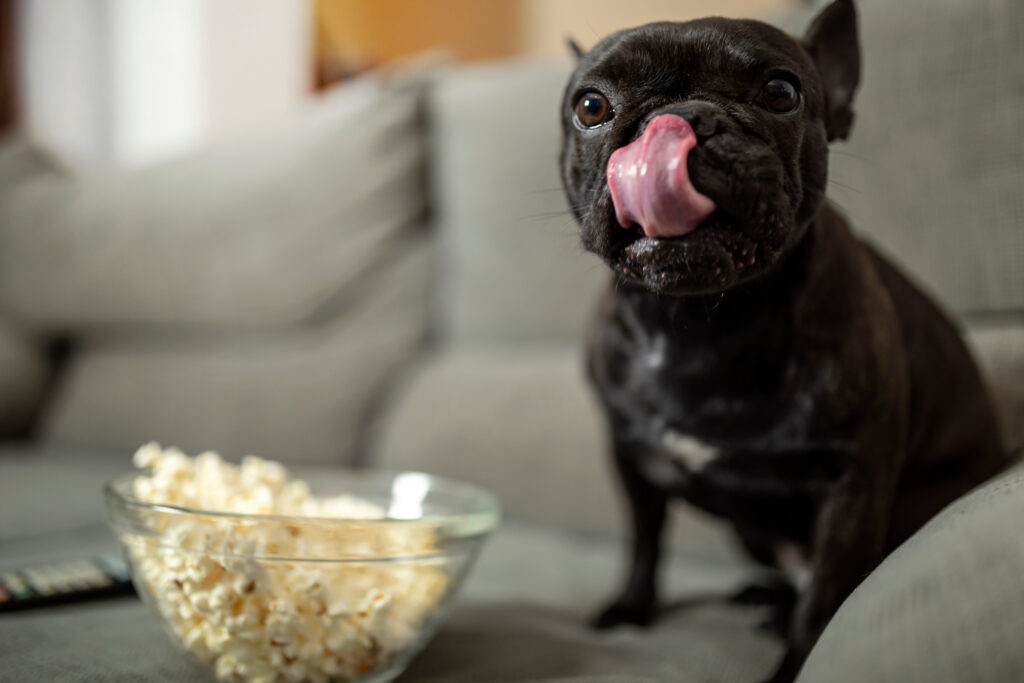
(62, 60)
(158, 67)
(260, 61)
(134, 82)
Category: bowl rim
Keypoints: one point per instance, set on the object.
(486, 511)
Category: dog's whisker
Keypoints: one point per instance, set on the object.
(852, 155)
(546, 190)
(546, 215)
(843, 185)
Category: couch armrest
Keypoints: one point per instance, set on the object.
(947, 605)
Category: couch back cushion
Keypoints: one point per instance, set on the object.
(261, 233)
(512, 267)
(298, 395)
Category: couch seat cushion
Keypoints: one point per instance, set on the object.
(523, 617)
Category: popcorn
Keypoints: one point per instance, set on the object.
(250, 617)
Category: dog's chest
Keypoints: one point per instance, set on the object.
(684, 397)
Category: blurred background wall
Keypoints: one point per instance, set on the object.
(371, 31)
(128, 83)
(546, 23)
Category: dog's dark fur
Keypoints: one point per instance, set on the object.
(768, 367)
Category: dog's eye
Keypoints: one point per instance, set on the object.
(780, 96)
(592, 110)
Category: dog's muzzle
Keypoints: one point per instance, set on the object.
(650, 182)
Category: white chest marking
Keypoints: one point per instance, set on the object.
(654, 355)
(794, 564)
(691, 452)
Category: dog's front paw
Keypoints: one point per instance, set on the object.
(635, 612)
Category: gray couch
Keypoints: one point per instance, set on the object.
(392, 280)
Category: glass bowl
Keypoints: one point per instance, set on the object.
(276, 598)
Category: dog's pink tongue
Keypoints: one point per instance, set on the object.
(650, 184)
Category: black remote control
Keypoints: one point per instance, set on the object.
(60, 583)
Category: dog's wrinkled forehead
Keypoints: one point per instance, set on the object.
(715, 55)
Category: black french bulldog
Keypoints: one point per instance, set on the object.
(752, 355)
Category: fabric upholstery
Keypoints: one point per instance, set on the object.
(261, 233)
(945, 606)
(523, 617)
(513, 269)
(301, 395)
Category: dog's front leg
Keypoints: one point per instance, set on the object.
(638, 601)
(849, 543)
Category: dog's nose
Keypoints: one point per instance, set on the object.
(703, 117)
(704, 123)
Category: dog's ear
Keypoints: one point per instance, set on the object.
(574, 47)
(832, 42)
